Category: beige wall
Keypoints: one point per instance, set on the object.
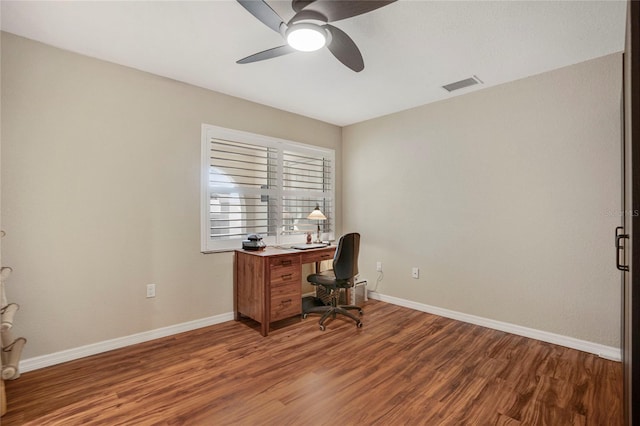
(506, 199)
(101, 195)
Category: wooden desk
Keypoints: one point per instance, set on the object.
(267, 284)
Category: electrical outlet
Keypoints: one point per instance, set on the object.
(415, 272)
(379, 266)
(151, 290)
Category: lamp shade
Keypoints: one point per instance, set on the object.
(316, 214)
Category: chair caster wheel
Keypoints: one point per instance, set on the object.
(359, 324)
(322, 327)
(304, 316)
(361, 312)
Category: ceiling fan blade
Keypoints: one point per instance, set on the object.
(344, 49)
(263, 12)
(335, 10)
(298, 5)
(267, 54)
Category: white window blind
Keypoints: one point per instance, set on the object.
(253, 184)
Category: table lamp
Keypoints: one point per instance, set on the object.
(316, 214)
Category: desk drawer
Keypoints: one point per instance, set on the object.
(284, 262)
(286, 276)
(317, 256)
(286, 301)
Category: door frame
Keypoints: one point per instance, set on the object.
(631, 159)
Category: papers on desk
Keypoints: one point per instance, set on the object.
(308, 246)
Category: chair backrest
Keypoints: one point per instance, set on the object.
(345, 261)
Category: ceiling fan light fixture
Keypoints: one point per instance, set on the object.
(306, 37)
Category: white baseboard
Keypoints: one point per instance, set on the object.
(607, 352)
(35, 363)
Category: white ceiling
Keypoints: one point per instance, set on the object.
(410, 48)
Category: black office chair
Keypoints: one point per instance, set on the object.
(342, 276)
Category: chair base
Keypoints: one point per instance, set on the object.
(332, 311)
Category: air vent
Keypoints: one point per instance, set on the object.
(462, 84)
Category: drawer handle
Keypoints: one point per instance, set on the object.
(286, 276)
(286, 262)
(325, 256)
(286, 302)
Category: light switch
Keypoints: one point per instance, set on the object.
(415, 272)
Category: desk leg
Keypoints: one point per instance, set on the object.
(236, 315)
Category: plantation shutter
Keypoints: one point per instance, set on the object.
(307, 183)
(258, 185)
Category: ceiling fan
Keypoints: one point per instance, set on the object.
(309, 29)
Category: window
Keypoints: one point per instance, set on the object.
(253, 184)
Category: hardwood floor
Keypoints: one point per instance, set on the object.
(402, 367)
